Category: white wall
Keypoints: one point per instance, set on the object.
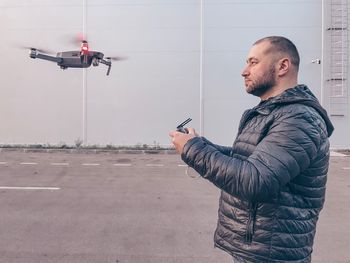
(158, 86)
(230, 28)
(39, 103)
(144, 97)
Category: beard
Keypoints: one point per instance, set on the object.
(263, 83)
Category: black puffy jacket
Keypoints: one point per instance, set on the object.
(273, 179)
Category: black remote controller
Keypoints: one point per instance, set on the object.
(180, 127)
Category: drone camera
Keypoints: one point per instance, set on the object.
(95, 62)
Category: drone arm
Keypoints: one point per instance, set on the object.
(46, 57)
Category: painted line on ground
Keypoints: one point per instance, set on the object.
(28, 188)
(58, 164)
(346, 168)
(98, 164)
(335, 154)
(154, 165)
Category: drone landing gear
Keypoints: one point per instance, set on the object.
(108, 63)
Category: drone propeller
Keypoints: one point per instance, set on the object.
(116, 58)
(77, 39)
(81, 38)
(46, 51)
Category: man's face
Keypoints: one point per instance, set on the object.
(259, 73)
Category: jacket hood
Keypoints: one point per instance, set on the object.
(300, 94)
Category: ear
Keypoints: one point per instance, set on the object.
(284, 65)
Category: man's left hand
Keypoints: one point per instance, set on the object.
(179, 139)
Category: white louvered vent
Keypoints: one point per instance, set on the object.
(339, 62)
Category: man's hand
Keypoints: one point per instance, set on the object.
(179, 139)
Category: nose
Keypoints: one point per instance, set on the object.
(245, 72)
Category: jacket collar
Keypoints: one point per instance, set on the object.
(299, 94)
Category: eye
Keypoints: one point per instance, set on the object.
(252, 62)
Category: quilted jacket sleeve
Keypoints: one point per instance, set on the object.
(287, 149)
(223, 149)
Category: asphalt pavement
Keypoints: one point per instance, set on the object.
(125, 208)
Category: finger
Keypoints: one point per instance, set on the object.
(172, 133)
(191, 131)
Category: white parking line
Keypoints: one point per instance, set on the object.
(90, 164)
(63, 164)
(154, 165)
(98, 164)
(346, 168)
(28, 188)
(336, 154)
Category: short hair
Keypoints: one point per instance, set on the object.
(283, 45)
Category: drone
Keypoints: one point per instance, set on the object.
(82, 58)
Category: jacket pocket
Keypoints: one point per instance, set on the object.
(251, 223)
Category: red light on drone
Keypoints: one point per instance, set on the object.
(84, 48)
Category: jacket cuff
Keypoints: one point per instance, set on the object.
(185, 155)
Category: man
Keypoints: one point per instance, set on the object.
(273, 178)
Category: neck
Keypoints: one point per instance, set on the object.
(278, 89)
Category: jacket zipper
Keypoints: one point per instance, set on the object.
(246, 116)
(251, 223)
